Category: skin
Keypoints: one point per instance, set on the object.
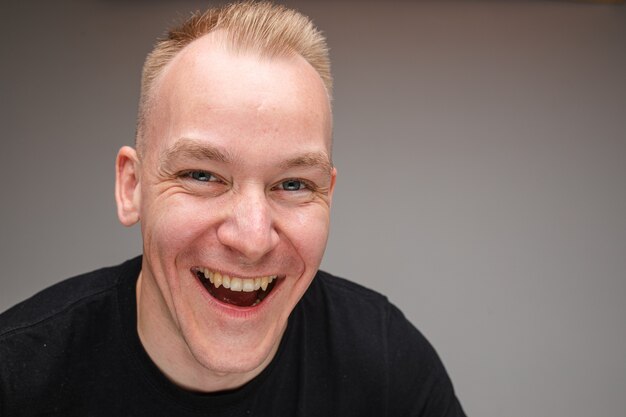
(226, 139)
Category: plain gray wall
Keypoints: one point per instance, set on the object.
(481, 149)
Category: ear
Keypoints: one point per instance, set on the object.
(333, 179)
(127, 186)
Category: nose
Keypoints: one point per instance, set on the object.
(249, 228)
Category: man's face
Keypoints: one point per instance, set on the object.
(235, 180)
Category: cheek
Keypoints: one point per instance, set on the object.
(308, 232)
(172, 224)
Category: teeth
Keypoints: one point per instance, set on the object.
(235, 283)
(248, 285)
(217, 280)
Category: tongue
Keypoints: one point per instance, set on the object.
(238, 298)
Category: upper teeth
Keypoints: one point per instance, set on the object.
(236, 283)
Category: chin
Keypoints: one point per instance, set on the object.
(240, 356)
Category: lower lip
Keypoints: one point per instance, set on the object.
(234, 311)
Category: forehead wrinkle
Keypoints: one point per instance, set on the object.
(186, 148)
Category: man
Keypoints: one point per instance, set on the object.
(225, 314)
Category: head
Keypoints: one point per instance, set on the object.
(232, 183)
(266, 28)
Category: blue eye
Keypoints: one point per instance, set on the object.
(202, 176)
(292, 185)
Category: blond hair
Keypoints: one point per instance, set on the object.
(269, 29)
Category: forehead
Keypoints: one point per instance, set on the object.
(207, 86)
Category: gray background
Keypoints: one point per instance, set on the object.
(481, 149)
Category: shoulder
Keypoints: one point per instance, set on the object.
(351, 301)
(376, 349)
(353, 315)
(62, 298)
(339, 290)
(53, 344)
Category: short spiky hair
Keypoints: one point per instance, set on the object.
(264, 27)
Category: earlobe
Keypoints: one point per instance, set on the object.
(127, 186)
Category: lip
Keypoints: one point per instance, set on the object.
(238, 312)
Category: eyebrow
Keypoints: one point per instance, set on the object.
(186, 148)
(317, 160)
(192, 149)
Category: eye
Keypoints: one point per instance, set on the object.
(202, 176)
(292, 185)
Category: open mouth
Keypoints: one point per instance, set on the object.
(241, 292)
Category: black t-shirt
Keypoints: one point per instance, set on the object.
(73, 350)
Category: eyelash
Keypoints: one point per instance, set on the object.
(303, 183)
(195, 174)
(209, 175)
